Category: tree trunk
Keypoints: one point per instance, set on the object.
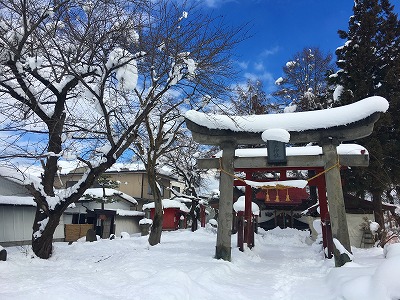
(156, 228)
(192, 214)
(42, 237)
(377, 207)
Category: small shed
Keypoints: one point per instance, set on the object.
(116, 216)
(174, 213)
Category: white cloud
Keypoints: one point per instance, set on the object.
(243, 64)
(215, 3)
(270, 51)
(259, 66)
(265, 77)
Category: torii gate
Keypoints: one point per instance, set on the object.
(349, 156)
(326, 127)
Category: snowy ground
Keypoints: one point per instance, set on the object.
(281, 266)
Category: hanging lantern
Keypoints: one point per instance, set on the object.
(277, 196)
(267, 196)
(287, 195)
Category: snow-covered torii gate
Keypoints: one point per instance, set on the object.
(327, 127)
(250, 160)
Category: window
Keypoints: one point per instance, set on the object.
(79, 219)
(176, 188)
(150, 192)
(70, 183)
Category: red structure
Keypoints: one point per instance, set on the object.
(202, 215)
(295, 195)
(172, 218)
(174, 214)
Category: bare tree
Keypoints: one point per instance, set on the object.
(182, 161)
(251, 99)
(190, 61)
(160, 130)
(304, 83)
(78, 79)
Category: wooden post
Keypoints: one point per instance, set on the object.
(323, 211)
(223, 247)
(248, 223)
(240, 229)
(202, 215)
(337, 210)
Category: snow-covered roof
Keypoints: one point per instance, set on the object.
(98, 192)
(183, 199)
(126, 213)
(168, 203)
(342, 149)
(299, 121)
(21, 176)
(239, 205)
(17, 200)
(76, 166)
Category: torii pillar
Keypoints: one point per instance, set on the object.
(336, 200)
(223, 247)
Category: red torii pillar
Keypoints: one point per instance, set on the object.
(202, 215)
(248, 223)
(319, 182)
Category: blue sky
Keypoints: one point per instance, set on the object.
(280, 28)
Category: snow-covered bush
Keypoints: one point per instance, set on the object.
(125, 235)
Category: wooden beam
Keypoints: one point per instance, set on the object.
(301, 161)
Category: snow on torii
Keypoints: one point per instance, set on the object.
(297, 122)
(326, 127)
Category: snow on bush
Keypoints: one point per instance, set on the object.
(213, 222)
(388, 275)
(391, 250)
(288, 236)
(382, 283)
(374, 227)
(212, 226)
(145, 221)
(125, 235)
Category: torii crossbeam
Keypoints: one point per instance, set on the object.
(327, 127)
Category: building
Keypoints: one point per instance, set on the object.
(108, 211)
(174, 213)
(132, 181)
(17, 213)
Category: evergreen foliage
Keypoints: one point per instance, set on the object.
(369, 65)
(104, 182)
